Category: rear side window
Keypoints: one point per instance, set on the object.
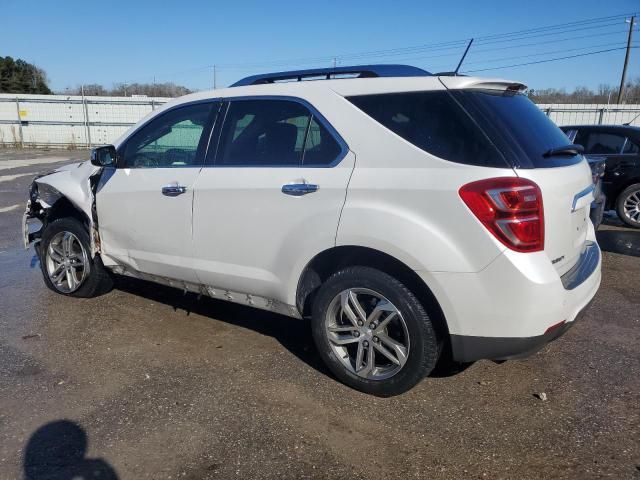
(517, 126)
(321, 149)
(274, 133)
(434, 122)
(602, 143)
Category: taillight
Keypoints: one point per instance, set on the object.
(510, 208)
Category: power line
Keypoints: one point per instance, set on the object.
(547, 60)
(452, 48)
(493, 60)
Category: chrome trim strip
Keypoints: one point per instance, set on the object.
(584, 267)
(581, 194)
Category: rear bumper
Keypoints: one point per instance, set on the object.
(469, 349)
(516, 305)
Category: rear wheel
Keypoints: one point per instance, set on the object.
(372, 332)
(628, 205)
(67, 266)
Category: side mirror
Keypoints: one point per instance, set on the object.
(104, 156)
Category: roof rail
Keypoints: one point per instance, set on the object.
(362, 71)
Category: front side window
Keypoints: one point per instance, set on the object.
(174, 139)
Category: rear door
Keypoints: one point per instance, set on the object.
(620, 152)
(145, 205)
(270, 198)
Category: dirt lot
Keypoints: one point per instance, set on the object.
(146, 382)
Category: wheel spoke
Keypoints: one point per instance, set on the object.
(340, 328)
(342, 340)
(346, 309)
(383, 324)
(396, 347)
(359, 356)
(387, 353)
(367, 370)
(353, 299)
(56, 273)
(67, 242)
(71, 279)
(55, 254)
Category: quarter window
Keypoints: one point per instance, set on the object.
(174, 139)
(433, 122)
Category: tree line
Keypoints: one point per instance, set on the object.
(603, 95)
(19, 76)
(168, 89)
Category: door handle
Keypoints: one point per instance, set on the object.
(299, 189)
(173, 190)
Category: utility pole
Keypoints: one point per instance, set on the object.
(214, 76)
(626, 60)
(335, 62)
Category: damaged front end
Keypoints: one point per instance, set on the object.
(68, 191)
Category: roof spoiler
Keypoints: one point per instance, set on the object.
(461, 82)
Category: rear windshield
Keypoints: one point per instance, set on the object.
(517, 126)
(434, 122)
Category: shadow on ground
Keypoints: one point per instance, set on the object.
(57, 451)
(625, 242)
(292, 333)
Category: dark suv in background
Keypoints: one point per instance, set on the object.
(619, 145)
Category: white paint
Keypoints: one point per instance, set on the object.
(8, 209)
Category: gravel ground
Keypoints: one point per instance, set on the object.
(146, 382)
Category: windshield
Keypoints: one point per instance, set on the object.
(520, 129)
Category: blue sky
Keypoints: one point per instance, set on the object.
(138, 40)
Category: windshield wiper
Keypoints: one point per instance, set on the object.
(572, 149)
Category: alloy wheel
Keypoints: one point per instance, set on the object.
(367, 333)
(632, 206)
(67, 262)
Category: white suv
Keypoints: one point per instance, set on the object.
(406, 214)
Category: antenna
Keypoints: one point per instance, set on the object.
(464, 55)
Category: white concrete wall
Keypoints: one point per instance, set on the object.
(70, 121)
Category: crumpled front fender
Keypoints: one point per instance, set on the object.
(73, 182)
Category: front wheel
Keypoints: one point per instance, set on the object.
(372, 332)
(66, 263)
(628, 205)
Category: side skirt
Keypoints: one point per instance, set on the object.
(242, 298)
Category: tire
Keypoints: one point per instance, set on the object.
(628, 205)
(416, 348)
(64, 252)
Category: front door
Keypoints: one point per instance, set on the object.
(145, 205)
(271, 198)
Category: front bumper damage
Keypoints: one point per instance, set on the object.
(70, 190)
